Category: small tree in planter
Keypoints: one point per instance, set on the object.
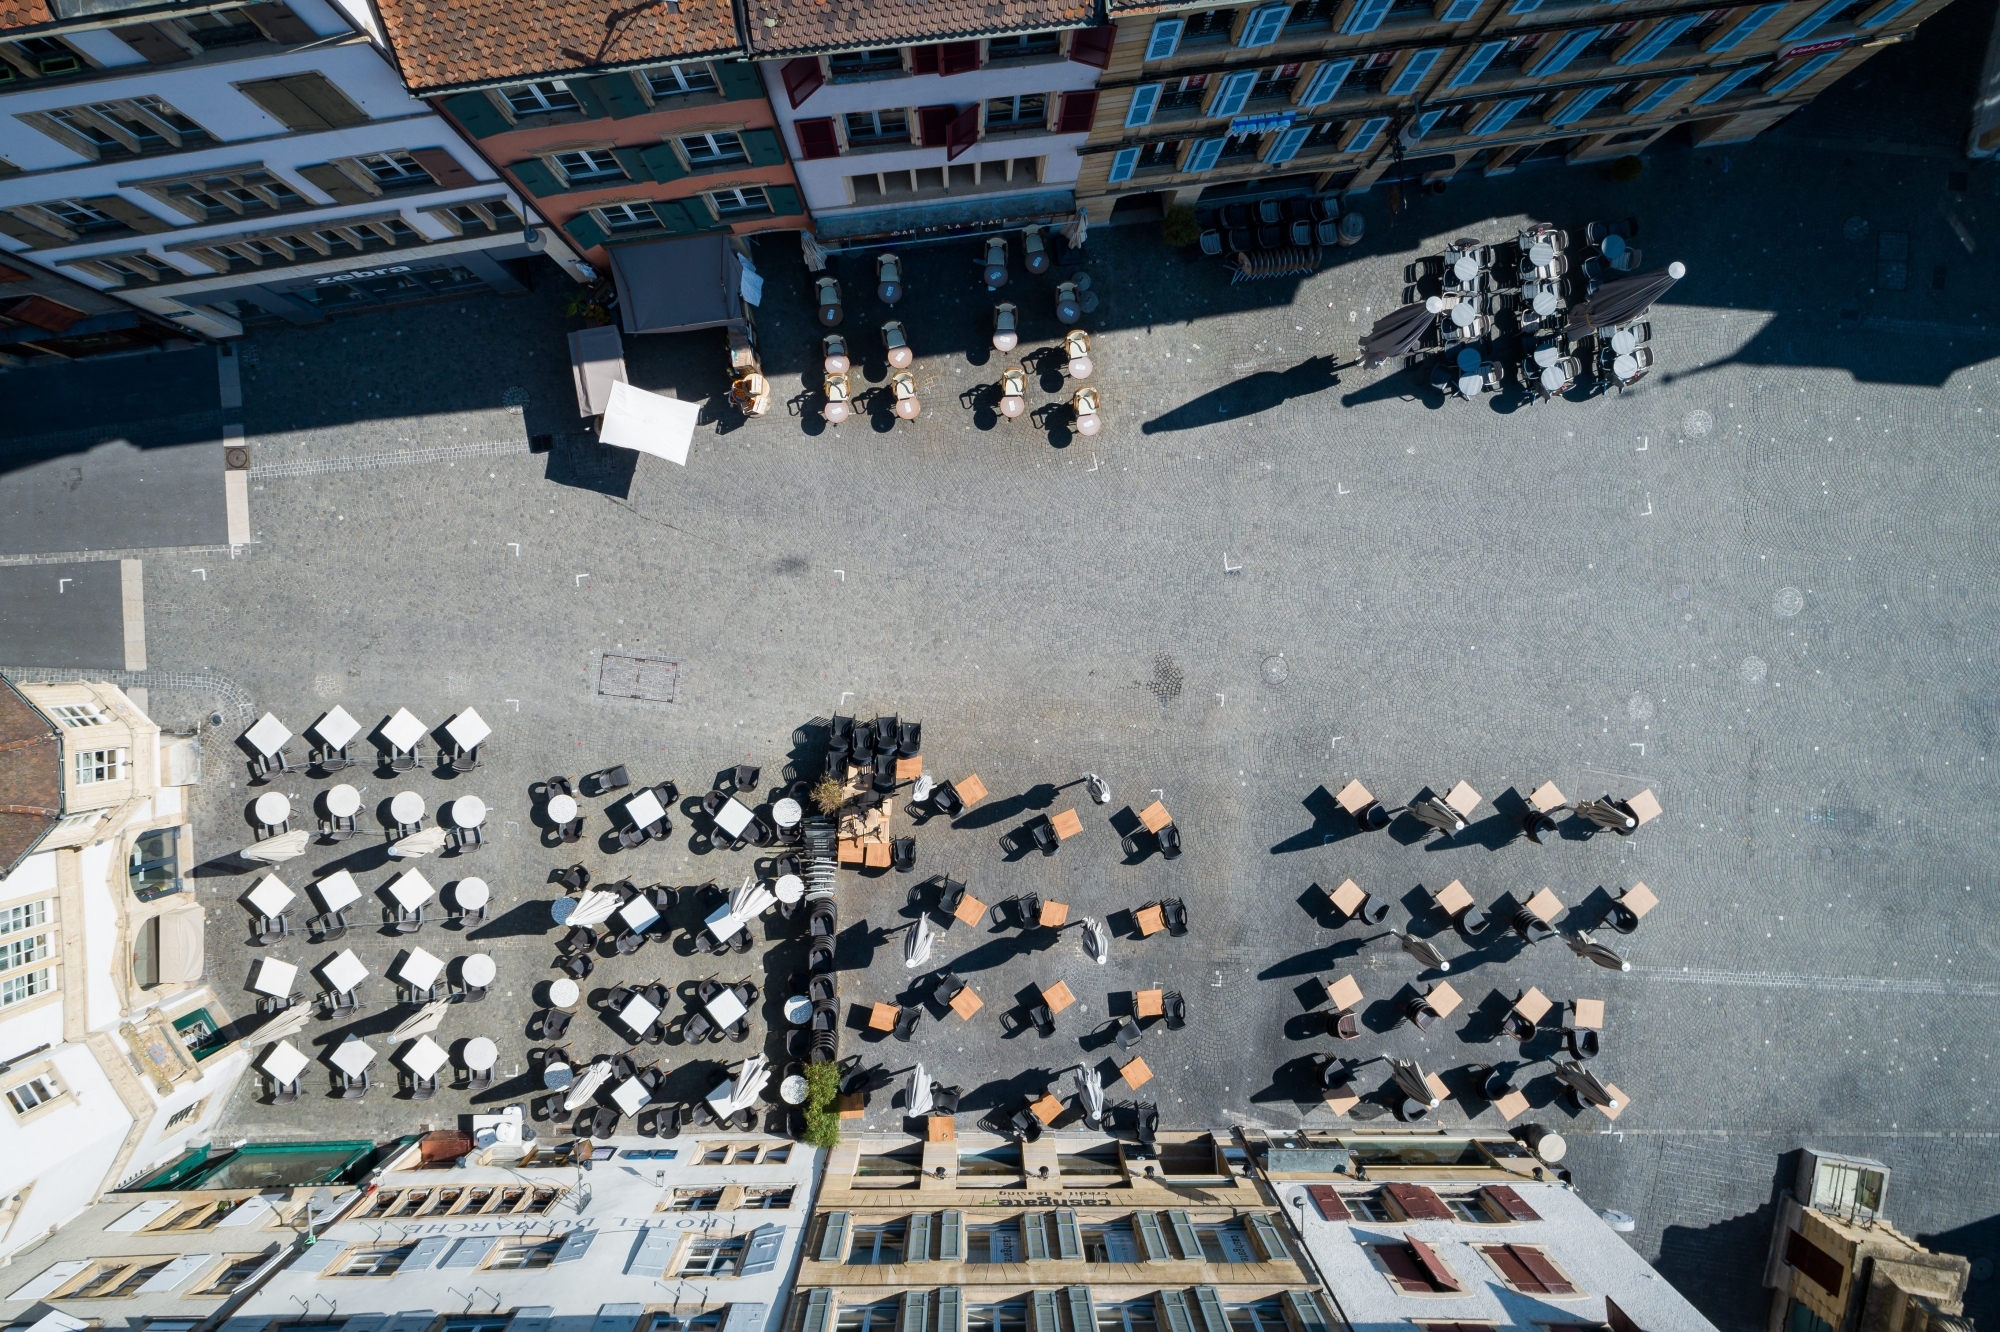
(826, 794)
(1179, 228)
(823, 1105)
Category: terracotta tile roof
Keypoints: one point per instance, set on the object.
(453, 43)
(786, 27)
(30, 776)
(24, 14)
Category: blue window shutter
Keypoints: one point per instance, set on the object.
(1421, 126)
(617, 1317)
(1284, 150)
(472, 1252)
(818, 1313)
(1887, 13)
(1082, 1310)
(1752, 21)
(575, 1246)
(1659, 39)
(1166, 38)
(531, 1318)
(653, 1252)
(1730, 84)
(1034, 1226)
(1264, 25)
(425, 1255)
(1568, 49)
(1123, 162)
(951, 1309)
(1654, 99)
(1580, 105)
(833, 1239)
(1187, 1240)
(746, 1318)
(917, 1238)
(1524, 6)
(1145, 99)
(951, 1236)
(915, 1314)
(1201, 159)
(1497, 119)
(1069, 1233)
(761, 1255)
(1042, 1316)
(1802, 73)
(1482, 56)
(1233, 92)
(1820, 17)
(1170, 1311)
(1414, 69)
(1326, 81)
(319, 1257)
(1364, 138)
(1152, 1240)
(1208, 1303)
(1459, 10)
(1366, 16)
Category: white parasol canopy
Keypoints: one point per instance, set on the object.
(917, 943)
(422, 1022)
(422, 842)
(745, 905)
(285, 846)
(586, 1086)
(649, 423)
(594, 908)
(919, 1094)
(1074, 230)
(728, 1098)
(1096, 940)
(1090, 1086)
(288, 1023)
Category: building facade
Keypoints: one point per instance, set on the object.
(1309, 96)
(211, 163)
(46, 318)
(931, 119)
(117, 1054)
(621, 124)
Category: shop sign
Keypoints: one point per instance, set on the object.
(1815, 48)
(1272, 120)
(360, 274)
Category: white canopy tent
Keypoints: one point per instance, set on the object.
(649, 423)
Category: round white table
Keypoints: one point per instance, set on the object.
(558, 1077)
(481, 1053)
(562, 909)
(1553, 379)
(342, 801)
(1547, 356)
(1434, 304)
(562, 808)
(1612, 247)
(1463, 314)
(563, 993)
(1468, 360)
(273, 809)
(1470, 385)
(1466, 269)
(468, 811)
(1623, 341)
(1625, 367)
(471, 894)
(792, 1091)
(1541, 253)
(798, 1008)
(786, 813)
(1545, 303)
(407, 807)
(789, 888)
(478, 969)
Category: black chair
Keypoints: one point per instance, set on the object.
(576, 878)
(903, 853)
(407, 920)
(1147, 1122)
(546, 1108)
(422, 1089)
(819, 958)
(885, 771)
(608, 779)
(1170, 841)
(1174, 1008)
(712, 803)
(463, 759)
(885, 731)
(1471, 921)
(1421, 1013)
(1042, 1019)
(950, 894)
(906, 1021)
(1343, 1026)
(1584, 1043)
(1044, 834)
(946, 800)
(1373, 911)
(465, 841)
(944, 1100)
(1532, 928)
(1027, 911)
(549, 1025)
(1128, 1034)
(272, 929)
(579, 942)
(576, 968)
(354, 1088)
(864, 746)
(604, 1123)
(271, 765)
(740, 1029)
(760, 833)
(843, 730)
(1515, 1025)
(697, 1028)
(746, 776)
(1023, 1122)
(631, 837)
(742, 941)
(337, 827)
(328, 926)
(910, 739)
(1175, 912)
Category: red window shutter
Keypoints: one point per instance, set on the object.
(1331, 1208)
(1815, 1262)
(41, 312)
(1079, 109)
(1417, 1203)
(958, 57)
(1545, 1271)
(1404, 1269)
(1619, 1320)
(1508, 1260)
(933, 121)
(803, 78)
(445, 169)
(817, 139)
(962, 133)
(924, 60)
(1434, 1266)
(1510, 1203)
(1092, 46)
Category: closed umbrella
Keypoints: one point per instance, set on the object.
(1618, 303)
(1589, 949)
(422, 1022)
(1090, 1086)
(586, 1086)
(1096, 940)
(285, 846)
(745, 905)
(744, 1091)
(422, 842)
(1396, 334)
(1586, 1084)
(1075, 229)
(919, 1094)
(1409, 1076)
(1422, 950)
(288, 1023)
(917, 943)
(594, 908)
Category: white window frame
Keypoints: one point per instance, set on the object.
(540, 104)
(93, 768)
(714, 1257)
(1123, 163)
(676, 76)
(81, 714)
(1264, 26)
(35, 1092)
(1165, 38)
(1414, 71)
(709, 139)
(733, 201)
(1746, 28)
(1325, 83)
(1145, 100)
(607, 172)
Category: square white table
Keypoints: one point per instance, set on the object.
(284, 1062)
(468, 728)
(275, 978)
(644, 809)
(421, 969)
(345, 971)
(337, 890)
(424, 1057)
(402, 730)
(271, 897)
(725, 1008)
(268, 735)
(336, 728)
(630, 1096)
(638, 913)
(638, 1013)
(411, 889)
(724, 925)
(733, 817)
(353, 1057)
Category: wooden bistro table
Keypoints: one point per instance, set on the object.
(1054, 915)
(909, 769)
(1533, 1005)
(1543, 906)
(1463, 799)
(1545, 798)
(1136, 1074)
(1443, 998)
(1066, 824)
(965, 1003)
(1151, 921)
(1344, 994)
(1047, 1108)
(1645, 806)
(1354, 797)
(1452, 899)
(970, 790)
(882, 1017)
(1512, 1104)
(1347, 898)
(875, 855)
(1587, 1014)
(1057, 996)
(970, 910)
(1149, 1003)
(1155, 817)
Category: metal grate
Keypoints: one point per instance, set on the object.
(653, 679)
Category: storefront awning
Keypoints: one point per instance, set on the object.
(181, 946)
(672, 286)
(979, 210)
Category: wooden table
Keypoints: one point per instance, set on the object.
(875, 855)
(853, 1105)
(1638, 899)
(1057, 996)
(1443, 998)
(1438, 1089)
(1136, 1074)
(940, 1128)
(1054, 915)
(1347, 898)
(1341, 1104)
(1344, 993)
(882, 1017)
(970, 910)
(1463, 799)
(1151, 921)
(1512, 1104)
(1149, 1003)
(1612, 1112)
(1452, 898)
(1533, 1005)
(1545, 798)
(848, 851)
(1587, 1015)
(1155, 817)
(1645, 807)
(1047, 1108)
(909, 769)
(965, 1003)
(1066, 824)
(971, 790)
(1354, 797)
(1543, 906)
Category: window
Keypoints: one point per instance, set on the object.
(1471, 1209)
(91, 131)
(993, 1244)
(188, 1112)
(1366, 1206)
(865, 64)
(304, 102)
(154, 869)
(586, 165)
(1027, 111)
(1021, 48)
(680, 1322)
(696, 1200)
(1184, 95)
(1275, 84)
(36, 1091)
(80, 714)
(81, 217)
(1801, 1319)
(1264, 1316)
(220, 29)
(493, 214)
(715, 1153)
(15, 989)
(530, 1253)
(1112, 1242)
(93, 767)
(1414, 1268)
(767, 1199)
(997, 1318)
(740, 202)
(718, 148)
(676, 80)
(1211, 25)
(866, 129)
(1132, 1316)
(1228, 1243)
(25, 949)
(1819, 1266)
(23, 916)
(876, 1245)
(1527, 1269)
(1312, 14)
(117, 1280)
(879, 1317)
(539, 99)
(235, 1271)
(88, 818)
(778, 1153)
(380, 1261)
(236, 193)
(46, 55)
(392, 169)
(714, 1256)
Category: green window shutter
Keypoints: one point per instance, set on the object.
(663, 162)
(475, 111)
(916, 1312)
(634, 163)
(1303, 1312)
(763, 147)
(587, 98)
(536, 178)
(1208, 1303)
(917, 1240)
(784, 201)
(737, 79)
(1264, 1232)
(1042, 1315)
(1152, 1241)
(951, 1237)
(1035, 1236)
(680, 217)
(951, 1309)
(1069, 1236)
(1171, 1309)
(1082, 1313)
(619, 94)
(832, 1236)
(818, 1313)
(583, 229)
(1184, 1236)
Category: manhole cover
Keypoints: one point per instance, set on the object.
(1753, 670)
(1275, 669)
(1639, 708)
(1682, 593)
(514, 397)
(1697, 423)
(1855, 228)
(653, 679)
(1789, 601)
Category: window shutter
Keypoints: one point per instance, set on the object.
(1659, 38)
(1326, 81)
(1457, 11)
(1092, 46)
(1069, 1236)
(1035, 1234)
(744, 1318)
(1524, 6)
(619, 93)
(327, 102)
(1286, 146)
(277, 21)
(1082, 1312)
(951, 1237)
(1414, 70)
(1544, 1271)
(1752, 21)
(1166, 38)
(1042, 1316)
(1817, 1264)
(1185, 1239)
(536, 178)
(150, 42)
(803, 78)
(1203, 156)
(1476, 63)
(1500, 116)
(961, 133)
(429, 1249)
(476, 112)
(1819, 18)
(1886, 14)
(958, 57)
(1145, 99)
(1331, 1208)
(951, 1309)
(575, 1246)
(472, 1252)
(653, 1252)
(1269, 1243)
(610, 1318)
(763, 147)
(315, 1260)
(51, 1279)
(288, 101)
(138, 219)
(1659, 94)
(1171, 1309)
(923, 60)
(1802, 73)
(531, 1318)
(737, 79)
(818, 1313)
(817, 138)
(1511, 1204)
(833, 1239)
(634, 162)
(784, 200)
(1568, 49)
(1264, 25)
(1208, 1303)
(1303, 1312)
(933, 122)
(1077, 111)
(917, 1238)
(916, 1312)
(1432, 1264)
(1366, 16)
(1417, 1203)
(662, 162)
(1231, 92)
(146, 1213)
(1730, 84)
(176, 1273)
(1365, 136)
(443, 167)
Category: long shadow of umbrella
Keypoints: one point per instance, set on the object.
(1247, 396)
